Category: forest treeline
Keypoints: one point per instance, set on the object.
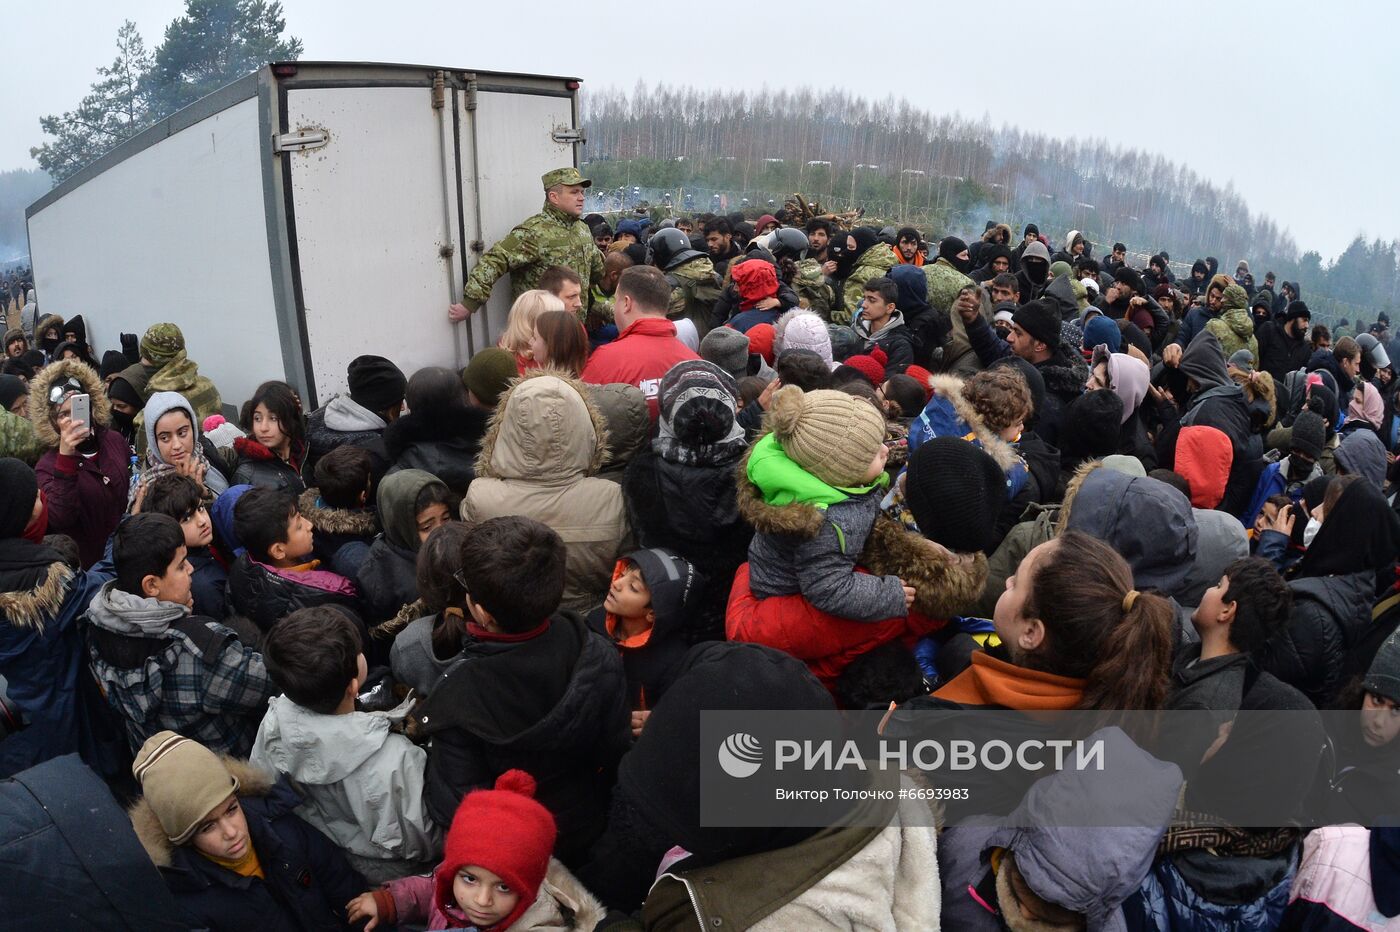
(951, 174)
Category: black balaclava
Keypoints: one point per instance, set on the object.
(950, 248)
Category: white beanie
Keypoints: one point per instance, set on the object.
(800, 329)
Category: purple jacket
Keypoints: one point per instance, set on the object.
(86, 496)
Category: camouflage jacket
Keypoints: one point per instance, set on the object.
(812, 288)
(944, 283)
(695, 287)
(17, 438)
(877, 261)
(181, 374)
(550, 237)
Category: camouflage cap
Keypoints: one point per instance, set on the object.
(564, 176)
(161, 342)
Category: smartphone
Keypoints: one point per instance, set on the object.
(82, 411)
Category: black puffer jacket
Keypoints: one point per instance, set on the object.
(354, 429)
(554, 706)
(387, 580)
(691, 510)
(266, 598)
(444, 443)
(256, 465)
(1329, 615)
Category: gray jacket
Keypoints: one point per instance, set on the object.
(412, 659)
(361, 784)
(802, 549)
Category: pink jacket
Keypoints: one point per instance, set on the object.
(1336, 875)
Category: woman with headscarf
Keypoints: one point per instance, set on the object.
(175, 444)
(680, 494)
(1351, 540)
(1127, 377)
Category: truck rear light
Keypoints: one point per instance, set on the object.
(571, 85)
(284, 71)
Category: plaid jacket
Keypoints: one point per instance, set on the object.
(197, 680)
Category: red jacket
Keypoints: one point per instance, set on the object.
(640, 356)
(824, 642)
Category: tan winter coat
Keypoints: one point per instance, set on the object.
(540, 458)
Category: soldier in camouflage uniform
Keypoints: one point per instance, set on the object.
(695, 286)
(171, 370)
(875, 261)
(554, 236)
(812, 287)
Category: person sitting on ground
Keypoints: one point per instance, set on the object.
(159, 666)
(229, 845)
(362, 783)
(342, 522)
(182, 499)
(274, 451)
(373, 402)
(575, 725)
(410, 505)
(645, 614)
(277, 572)
(496, 872)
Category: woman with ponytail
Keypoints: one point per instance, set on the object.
(1076, 635)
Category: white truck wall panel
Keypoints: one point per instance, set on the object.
(515, 150)
(370, 229)
(177, 233)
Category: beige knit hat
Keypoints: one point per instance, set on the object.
(832, 435)
(182, 781)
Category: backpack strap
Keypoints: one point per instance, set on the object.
(207, 641)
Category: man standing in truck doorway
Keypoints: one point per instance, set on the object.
(554, 236)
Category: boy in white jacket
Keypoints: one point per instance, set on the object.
(361, 782)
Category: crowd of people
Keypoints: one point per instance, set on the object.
(433, 654)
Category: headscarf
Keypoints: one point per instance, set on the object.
(161, 404)
(1359, 533)
(1128, 378)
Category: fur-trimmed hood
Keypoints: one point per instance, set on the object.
(30, 609)
(252, 781)
(359, 522)
(546, 428)
(950, 387)
(45, 322)
(941, 588)
(39, 397)
(1002, 229)
(1076, 482)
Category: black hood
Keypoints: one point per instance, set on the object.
(674, 584)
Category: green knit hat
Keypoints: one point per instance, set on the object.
(489, 374)
(161, 343)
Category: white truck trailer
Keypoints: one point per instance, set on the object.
(306, 214)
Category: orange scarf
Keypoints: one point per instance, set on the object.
(245, 866)
(917, 260)
(995, 682)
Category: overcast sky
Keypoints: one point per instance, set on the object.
(1293, 102)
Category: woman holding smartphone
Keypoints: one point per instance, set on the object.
(83, 471)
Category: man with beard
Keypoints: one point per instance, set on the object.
(1283, 344)
(1035, 337)
(907, 242)
(719, 240)
(1035, 271)
(1117, 259)
(1199, 274)
(1031, 235)
(1197, 318)
(998, 261)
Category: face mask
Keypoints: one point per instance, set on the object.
(1310, 531)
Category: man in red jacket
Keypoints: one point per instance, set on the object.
(646, 347)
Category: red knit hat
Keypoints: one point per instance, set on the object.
(505, 831)
(922, 376)
(761, 337)
(871, 365)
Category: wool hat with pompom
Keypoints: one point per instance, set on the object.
(507, 832)
(871, 364)
(832, 435)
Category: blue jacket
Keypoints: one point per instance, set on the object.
(44, 662)
(1194, 322)
(1167, 900)
(1272, 481)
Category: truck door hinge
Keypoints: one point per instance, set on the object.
(569, 136)
(301, 140)
(470, 103)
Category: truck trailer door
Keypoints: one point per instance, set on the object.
(372, 227)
